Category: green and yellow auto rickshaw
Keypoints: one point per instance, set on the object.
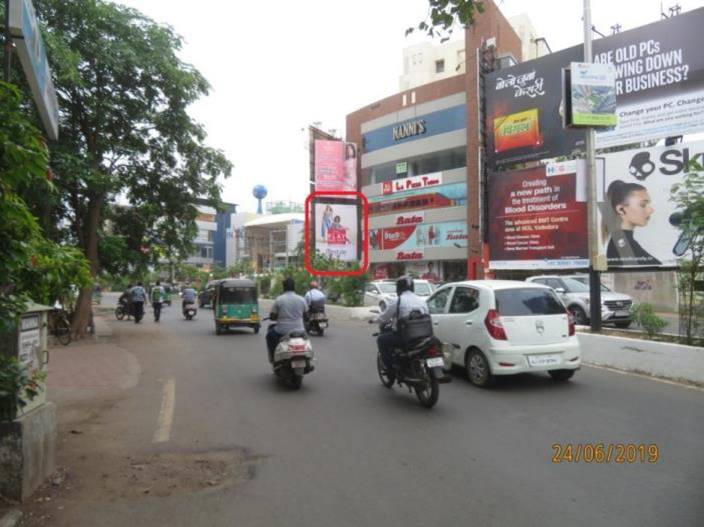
(235, 305)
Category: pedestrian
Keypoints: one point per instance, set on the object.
(157, 297)
(139, 296)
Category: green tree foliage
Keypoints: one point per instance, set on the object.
(31, 266)
(644, 315)
(689, 197)
(444, 15)
(125, 131)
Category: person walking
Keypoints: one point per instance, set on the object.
(157, 298)
(139, 296)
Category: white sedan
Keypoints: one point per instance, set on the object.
(501, 327)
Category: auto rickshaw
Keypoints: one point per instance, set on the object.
(235, 305)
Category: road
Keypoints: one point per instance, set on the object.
(346, 451)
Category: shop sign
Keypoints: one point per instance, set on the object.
(410, 219)
(409, 129)
(409, 255)
(412, 183)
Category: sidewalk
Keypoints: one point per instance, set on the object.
(683, 364)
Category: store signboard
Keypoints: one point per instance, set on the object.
(419, 236)
(411, 183)
(35, 64)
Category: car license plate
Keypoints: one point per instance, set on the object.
(622, 313)
(323, 325)
(544, 360)
(435, 362)
(298, 364)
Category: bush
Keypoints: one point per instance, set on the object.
(645, 317)
(18, 386)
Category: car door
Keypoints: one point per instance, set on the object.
(463, 324)
(437, 306)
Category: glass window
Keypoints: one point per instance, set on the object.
(372, 289)
(418, 166)
(554, 283)
(237, 295)
(465, 300)
(437, 302)
(387, 287)
(517, 302)
(422, 288)
(439, 66)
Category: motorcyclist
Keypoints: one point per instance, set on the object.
(126, 301)
(139, 296)
(405, 302)
(288, 311)
(188, 296)
(315, 298)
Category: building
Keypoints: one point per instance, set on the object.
(532, 46)
(425, 63)
(271, 241)
(210, 244)
(420, 165)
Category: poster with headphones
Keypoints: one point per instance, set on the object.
(638, 220)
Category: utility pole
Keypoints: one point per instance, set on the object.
(8, 43)
(595, 261)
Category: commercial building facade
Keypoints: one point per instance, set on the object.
(210, 244)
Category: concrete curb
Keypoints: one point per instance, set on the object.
(11, 518)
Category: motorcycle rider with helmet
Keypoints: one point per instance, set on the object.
(406, 302)
(288, 312)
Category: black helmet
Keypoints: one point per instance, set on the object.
(404, 283)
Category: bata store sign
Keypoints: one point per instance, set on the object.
(410, 219)
(411, 183)
(410, 255)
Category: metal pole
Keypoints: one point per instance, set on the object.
(593, 235)
(8, 43)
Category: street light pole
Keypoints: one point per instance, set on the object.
(8, 43)
(593, 234)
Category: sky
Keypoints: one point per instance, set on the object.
(277, 66)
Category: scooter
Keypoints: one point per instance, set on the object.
(316, 320)
(189, 311)
(293, 358)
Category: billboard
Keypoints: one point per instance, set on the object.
(592, 95)
(336, 228)
(335, 166)
(451, 195)
(638, 219)
(659, 93)
(415, 236)
(538, 217)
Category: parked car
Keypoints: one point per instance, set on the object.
(502, 327)
(382, 292)
(207, 294)
(573, 290)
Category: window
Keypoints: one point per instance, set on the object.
(437, 302)
(518, 302)
(465, 300)
(440, 66)
(372, 289)
(211, 236)
(554, 283)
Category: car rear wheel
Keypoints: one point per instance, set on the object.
(478, 370)
(561, 375)
(580, 317)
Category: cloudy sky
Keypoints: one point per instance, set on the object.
(277, 66)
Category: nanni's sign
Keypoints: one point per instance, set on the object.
(409, 129)
(411, 183)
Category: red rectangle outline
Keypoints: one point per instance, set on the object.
(365, 232)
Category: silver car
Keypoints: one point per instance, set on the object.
(573, 290)
(382, 292)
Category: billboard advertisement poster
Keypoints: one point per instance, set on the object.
(659, 90)
(638, 218)
(593, 94)
(538, 217)
(329, 165)
(350, 167)
(517, 130)
(336, 231)
(419, 236)
(451, 195)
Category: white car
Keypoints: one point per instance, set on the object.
(502, 327)
(382, 292)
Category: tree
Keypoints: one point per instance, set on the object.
(124, 127)
(689, 197)
(444, 15)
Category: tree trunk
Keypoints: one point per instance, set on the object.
(83, 315)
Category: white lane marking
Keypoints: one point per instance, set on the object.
(166, 414)
(643, 376)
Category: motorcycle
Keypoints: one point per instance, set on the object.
(189, 311)
(420, 367)
(293, 358)
(316, 320)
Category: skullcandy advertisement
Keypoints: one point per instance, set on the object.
(419, 236)
(336, 231)
(538, 217)
(640, 222)
(659, 93)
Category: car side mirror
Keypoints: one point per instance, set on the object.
(560, 290)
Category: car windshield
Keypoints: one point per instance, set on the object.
(237, 295)
(422, 288)
(527, 302)
(580, 285)
(387, 287)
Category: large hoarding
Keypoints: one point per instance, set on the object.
(434, 197)
(637, 215)
(659, 93)
(336, 229)
(538, 218)
(410, 235)
(335, 166)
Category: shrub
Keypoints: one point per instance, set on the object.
(645, 317)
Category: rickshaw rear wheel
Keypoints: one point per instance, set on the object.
(256, 329)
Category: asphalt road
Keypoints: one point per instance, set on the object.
(346, 451)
